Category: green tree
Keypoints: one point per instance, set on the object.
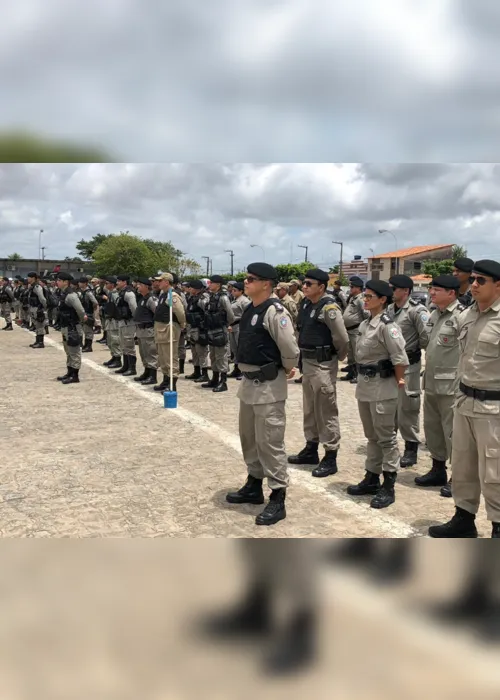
(124, 253)
(15, 256)
(19, 147)
(88, 248)
(433, 268)
(458, 251)
(187, 266)
(289, 272)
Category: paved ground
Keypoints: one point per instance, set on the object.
(104, 458)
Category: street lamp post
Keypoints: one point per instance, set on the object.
(341, 258)
(40, 244)
(231, 253)
(254, 245)
(205, 257)
(385, 230)
(306, 248)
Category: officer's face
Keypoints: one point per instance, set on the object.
(442, 297)
(355, 290)
(293, 288)
(312, 288)
(484, 289)
(121, 284)
(399, 296)
(461, 276)
(214, 287)
(143, 289)
(372, 302)
(281, 292)
(109, 286)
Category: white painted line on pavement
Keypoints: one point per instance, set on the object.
(379, 522)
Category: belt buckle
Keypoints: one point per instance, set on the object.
(480, 394)
(366, 378)
(256, 382)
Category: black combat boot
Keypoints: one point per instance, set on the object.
(114, 363)
(386, 495)
(445, 492)
(65, 376)
(196, 374)
(298, 381)
(213, 382)
(437, 476)
(251, 617)
(354, 378)
(124, 367)
(150, 379)
(462, 525)
(328, 464)
(235, 373)
(369, 486)
(164, 384)
(294, 648)
(103, 340)
(142, 376)
(309, 455)
(181, 366)
(495, 531)
(350, 374)
(222, 385)
(410, 455)
(275, 509)
(8, 327)
(88, 345)
(73, 377)
(203, 376)
(251, 492)
(39, 343)
(131, 371)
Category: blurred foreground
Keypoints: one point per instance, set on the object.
(137, 619)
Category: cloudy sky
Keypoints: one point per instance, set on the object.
(206, 209)
(257, 80)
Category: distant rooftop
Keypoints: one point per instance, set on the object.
(416, 250)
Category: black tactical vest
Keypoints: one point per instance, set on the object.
(162, 313)
(215, 314)
(313, 333)
(67, 314)
(123, 312)
(33, 299)
(142, 313)
(4, 297)
(86, 303)
(195, 314)
(255, 345)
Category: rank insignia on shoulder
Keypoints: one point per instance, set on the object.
(278, 306)
(414, 302)
(461, 307)
(385, 318)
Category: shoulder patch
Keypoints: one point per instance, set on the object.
(394, 333)
(283, 322)
(385, 318)
(424, 316)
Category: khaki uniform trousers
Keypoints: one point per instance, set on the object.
(438, 425)
(409, 400)
(127, 338)
(147, 348)
(378, 419)
(73, 353)
(219, 358)
(162, 340)
(200, 355)
(262, 436)
(321, 413)
(6, 311)
(475, 463)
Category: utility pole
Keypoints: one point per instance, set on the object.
(205, 257)
(211, 267)
(40, 244)
(341, 257)
(43, 252)
(231, 253)
(306, 247)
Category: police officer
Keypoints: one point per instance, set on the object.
(339, 295)
(71, 317)
(282, 293)
(295, 292)
(353, 315)
(441, 378)
(110, 298)
(38, 309)
(462, 268)
(25, 305)
(323, 340)
(17, 289)
(179, 289)
(89, 303)
(198, 298)
(218, 316)
(144, 319)
(239, 303)
(381, 363)
(475, 459)
(412, 318)
(267, 355)
(7, 299)
(125, 310)
(162, 331)
(99, 292)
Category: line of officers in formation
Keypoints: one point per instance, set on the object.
(268, 329)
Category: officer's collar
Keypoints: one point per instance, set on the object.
(374, 322)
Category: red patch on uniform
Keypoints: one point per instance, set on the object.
(445, 340)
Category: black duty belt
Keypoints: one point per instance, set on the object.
(265, 374)
(352, 328)
(384, 368)
(480, 394)
(414, 356)
(143, 326)
(321, 353)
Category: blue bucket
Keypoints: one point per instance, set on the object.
(170, 399)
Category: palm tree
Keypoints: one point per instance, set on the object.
(458, 251)
(15, 256)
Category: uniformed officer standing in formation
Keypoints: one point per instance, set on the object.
(440, 382)
(71, 318)
(125, 310)
(323, 340)
(162, 331)
(282, 290)
(412, 317)
(475, 455)
(353, 315)
(89, 303)
(100, 292)
(144, 319)
(37, 308)
(7, 300)
(25, 305)
(267, 355)
(218, 316)
(339, 295)
(178, 288)
(295, 292)
(195, 314)
(381, 363)
(110, 298)
(18, 288)
(239, 303)
(462, 268)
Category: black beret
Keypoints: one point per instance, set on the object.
(32, 274)
(445, 282)
(217, 279)
(318, 275)
(380, 287)
(111, 279)
(262, 270)
(144, 280)
(66, 276)
(197, 284)
(490, 268)
(83, 280)
(239, 285)
(123, 278)
(464, 264)
(401, 281)
(356, 282)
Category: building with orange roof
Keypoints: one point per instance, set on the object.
(407, 261)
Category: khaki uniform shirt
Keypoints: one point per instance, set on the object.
(355, 312)
(297, 297)
(331, 316)
(443, 351)
(412, 319)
